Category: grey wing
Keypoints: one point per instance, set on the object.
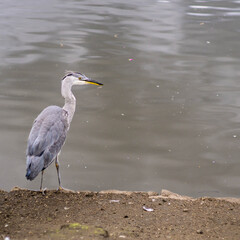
(48, 134)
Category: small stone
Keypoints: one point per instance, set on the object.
(147, 209)
(199, 231)
(185, 210)
(89, 194)
(114, 201)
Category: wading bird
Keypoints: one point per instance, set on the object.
(50, 128)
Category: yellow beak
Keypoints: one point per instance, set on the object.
(90, 81)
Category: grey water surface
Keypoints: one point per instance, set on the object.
(168, 114)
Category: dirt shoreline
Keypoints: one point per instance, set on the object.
(26, 214)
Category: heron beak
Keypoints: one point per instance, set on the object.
(90, 81)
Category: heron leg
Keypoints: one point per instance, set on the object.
(41, 189)
(59, 178)
(41, 180)
(58, 172)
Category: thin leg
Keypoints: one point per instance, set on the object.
(41, 181)
(59, 178)
(58, 172)
(41, 189)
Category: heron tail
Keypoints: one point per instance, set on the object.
(35, 165)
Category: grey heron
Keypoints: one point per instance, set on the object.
(50, 128)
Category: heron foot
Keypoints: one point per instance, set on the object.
(43, 190)
(65, 190)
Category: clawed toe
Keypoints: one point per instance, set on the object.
(43, 191)
(65, 190)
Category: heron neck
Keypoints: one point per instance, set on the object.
(70, 100)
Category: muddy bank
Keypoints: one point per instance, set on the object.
(29, 215)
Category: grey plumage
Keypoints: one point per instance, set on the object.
(46, 138)
(49, 129)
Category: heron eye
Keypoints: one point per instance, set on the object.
(79, 78)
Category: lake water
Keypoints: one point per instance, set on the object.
(168, 114)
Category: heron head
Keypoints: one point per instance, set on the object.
(77, 78)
